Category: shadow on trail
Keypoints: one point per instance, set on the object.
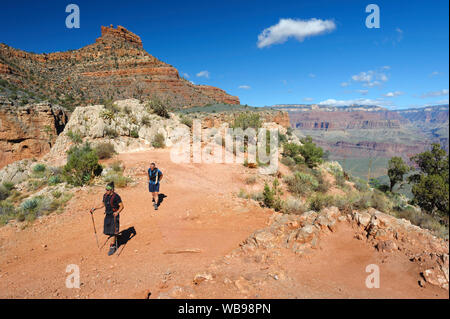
(124, 236)
(161, 198)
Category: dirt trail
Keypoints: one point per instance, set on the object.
(198, 223)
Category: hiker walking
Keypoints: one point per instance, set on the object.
(154, 177)
(113, 206)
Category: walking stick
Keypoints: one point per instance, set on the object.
(115, 232)
(95, 231)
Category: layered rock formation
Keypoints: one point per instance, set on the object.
(114, 67)
(28, 131)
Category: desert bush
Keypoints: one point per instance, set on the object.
(8, 185)
(110, 132)
(4, 192)
(134, 133)
(293, 206)
(118, 179)
(186, 121)
(288, 161)
(39, 168)
(159, 141)
(247, 120)
(301, 184)
(250, 180)
(271, 195)
(319, 201)
(104, 150)
(7, 212)
(311, 153)
(323, 184)
(379, 201)
(145, 120)
(75, 137)
(54, 179)
(82, 165)
(158, 107)
(117, 166)
(111, 106)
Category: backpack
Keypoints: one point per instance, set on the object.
(152, 174)
(111, 201)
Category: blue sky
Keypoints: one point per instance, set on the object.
(404, 63)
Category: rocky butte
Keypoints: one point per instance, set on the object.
(114, 67)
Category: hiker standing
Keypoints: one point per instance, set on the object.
(154, 177)
(113, 206)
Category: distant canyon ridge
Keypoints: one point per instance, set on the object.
(360, 134)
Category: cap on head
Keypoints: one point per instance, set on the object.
(110, 186)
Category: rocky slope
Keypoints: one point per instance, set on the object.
(114, 67)
(28, 131)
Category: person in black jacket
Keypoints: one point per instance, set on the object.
(113, 206)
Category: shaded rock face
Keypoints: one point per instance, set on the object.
(116, 66)
(387, 234)
(28, 131)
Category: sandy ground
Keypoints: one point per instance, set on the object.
(198, 225)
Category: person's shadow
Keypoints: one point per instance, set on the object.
(161, 198)
(124, 236)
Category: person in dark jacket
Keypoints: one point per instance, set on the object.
(154, 177)
(113, 206)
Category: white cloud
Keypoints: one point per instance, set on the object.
(363, 92)
(312, 75)
(204, 74)
(308, 99)
(345, 84)
(245, 87)
(186, 75)
(442, 92)
(370, 78)
(296, 28)
(393, 94)
(435, 73)
(334, 102)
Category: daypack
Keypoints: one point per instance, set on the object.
(152, 174)
(111, 201)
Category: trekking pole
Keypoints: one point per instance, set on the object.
(95, 230)
(115, 232)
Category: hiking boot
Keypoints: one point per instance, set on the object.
(112, 250)
(156, 206)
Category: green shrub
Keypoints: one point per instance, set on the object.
(293, 206)
(7, 212)
(319, 201)
(134, 133)
(288, 161)
(110, 132)
(54, 179)
(271, 195)
(118, 179)
(145, 121)
(250, 180)
(301, 184)
(104, 150)
(247, 120)
(82, 165)
(39, 168)
(8, 185)
(311, 153)
(186, 121)
(74, 137)
(323, 184)
(4, 192)
(158, 107)
(159, 141)
(117, 167)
